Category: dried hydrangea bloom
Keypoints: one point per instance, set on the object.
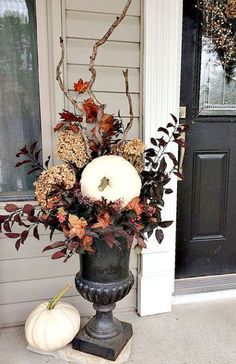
(61, 175)
(134, 147)
(71, 148)
(132, 151)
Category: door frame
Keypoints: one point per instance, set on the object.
(161, 96)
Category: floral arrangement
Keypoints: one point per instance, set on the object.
(108, 187)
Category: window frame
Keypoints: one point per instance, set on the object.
(49, 29)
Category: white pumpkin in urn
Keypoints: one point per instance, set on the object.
(52, 325)
(111, 177)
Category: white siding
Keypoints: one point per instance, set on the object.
(29, 276)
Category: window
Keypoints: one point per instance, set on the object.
(19, 95)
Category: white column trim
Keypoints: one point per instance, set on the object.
(162, 67)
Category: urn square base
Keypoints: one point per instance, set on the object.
(108, 348)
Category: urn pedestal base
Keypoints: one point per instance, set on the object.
(106, 348)
(104, 279)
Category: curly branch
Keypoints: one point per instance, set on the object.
(98, 44)
(131, 113)
(77, 105)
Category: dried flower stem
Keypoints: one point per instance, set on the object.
(131, 113)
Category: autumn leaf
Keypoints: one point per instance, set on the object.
(58, 126)
(77, 226)
(87, 243)
(58, 255)
(103, 221)
(55, 245)
(81, 86)
(11, 207)
(135, 205)
(69, 116)
(91, 110)
(107, 123)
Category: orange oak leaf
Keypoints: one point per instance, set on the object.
(135, 205)
(77, 226)
(107, 123)
(103, 221)
(81, 86)
(87, 243)
(91, 110)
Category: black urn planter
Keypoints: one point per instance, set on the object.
(104, 278)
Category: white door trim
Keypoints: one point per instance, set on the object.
(161, 90)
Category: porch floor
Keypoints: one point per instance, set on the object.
(203, 333)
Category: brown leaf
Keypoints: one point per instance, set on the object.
(28, 209)
(22, 151)
(55, 245)
(159, 235)
(91, 110)
(24, 235)
(6, 226)
(12, 235)
(11, 207)
(32, 147)
(103, 221)
(135, 205)
(34, 170)
(3, 218)
(78, 226)
(36, 233)
(165, 224)
(69, 116)
(17, 244)
(58, 255)
(87, 243)
(107, 123)
(23, 162)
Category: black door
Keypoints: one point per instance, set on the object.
(206, 227)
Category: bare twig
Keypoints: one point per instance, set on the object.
(83, 131)
(131, 113)
(98, 124)
(98, 44)
(77, 105)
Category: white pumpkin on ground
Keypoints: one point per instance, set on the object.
(52, 325)
(111, 177)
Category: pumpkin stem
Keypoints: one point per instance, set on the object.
(104, 183)
(58, 296)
